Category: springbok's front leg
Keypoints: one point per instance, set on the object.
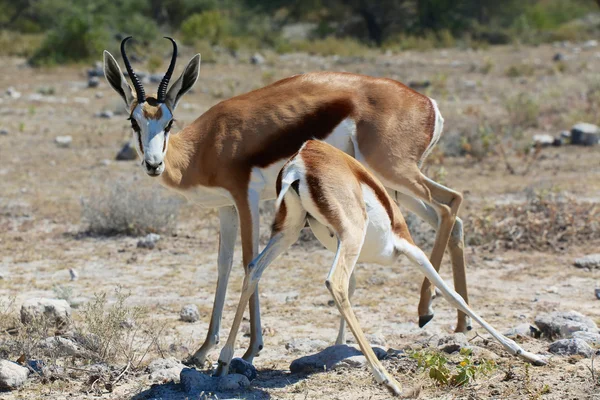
(228, 219)
(289, 221)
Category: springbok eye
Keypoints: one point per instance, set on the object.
(169, 125)
(134, 125)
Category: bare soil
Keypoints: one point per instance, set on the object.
(41, 186)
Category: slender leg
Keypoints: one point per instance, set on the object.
(456, 248)
(228, 219)
(249, 217)
(337, 283)
(281, 240)
(341, 338)
(418, 257)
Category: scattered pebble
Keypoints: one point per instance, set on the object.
(3, 132)
(564, 324)
(73, 274)
(543, 140)
(63, 141)
(93, 82)
(257, 59)
(189, 313)
(107, 114)
(149, 241)
(585, 134)
(126, 153)
(597, 291)
(13, 93)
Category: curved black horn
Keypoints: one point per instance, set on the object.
(139, 89)
(162, 88)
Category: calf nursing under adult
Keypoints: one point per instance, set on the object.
(351, 214)
(229, 157)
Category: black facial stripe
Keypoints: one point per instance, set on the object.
(139, 135)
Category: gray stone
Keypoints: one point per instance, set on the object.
(590, 44)
(305, 345)
(327, 358)
(54, 311)
(597, 292)
(194, 381)
(590, 261)
(107, 114)
(63, 141)
(93, 82)
(232, 382)
(189, 313)
(564, 324)
(520, 330)
(3, 131)
(543, 140)
(97, 70)
(257, 59)
(57, 346)
(591, 338)
(452, 343)
(351, 362)
(73, 274)
(567, 347)
(149, 241)
(558, 57)
(12, 375)
(165, 369)
(243, 367)
(585, 134)
(127, 153)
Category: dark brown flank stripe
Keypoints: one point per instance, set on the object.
(318, 124)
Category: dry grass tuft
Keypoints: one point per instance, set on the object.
(129, 211)
(545, 221)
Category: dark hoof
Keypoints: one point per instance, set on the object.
(469, 328)
(424, 319)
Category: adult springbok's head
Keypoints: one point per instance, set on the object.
(151, 117)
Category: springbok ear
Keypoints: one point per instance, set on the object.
(184, 83)
(117, 81)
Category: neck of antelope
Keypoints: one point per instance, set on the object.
(178, 160)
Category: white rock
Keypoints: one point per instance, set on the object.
(149, 241)
(591, 338)
(73, 274)
(12, 93)
(257, 59)
(543, 140)
(57, 346)
(165, 370)
(12, 375)
(63, 141)
(55, 311)
(571, 347)
(564, 324)
(590, 261)
(189, 313)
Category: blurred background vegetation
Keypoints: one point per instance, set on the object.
(51, 32)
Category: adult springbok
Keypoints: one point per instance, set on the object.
(352, 215)
(230, 156)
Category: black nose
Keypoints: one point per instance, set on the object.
(154, 167)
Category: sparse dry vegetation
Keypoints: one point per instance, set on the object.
(129, 211)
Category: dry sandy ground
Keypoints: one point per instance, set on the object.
(40, 218)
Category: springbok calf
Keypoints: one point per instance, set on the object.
(230, 156)
(352, 215)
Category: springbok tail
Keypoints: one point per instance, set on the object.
(290, 174)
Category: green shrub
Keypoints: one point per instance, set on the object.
(331, 46)
(77, 38)
(211, 26)
(517, 70)
(523, 110)
(19, 44)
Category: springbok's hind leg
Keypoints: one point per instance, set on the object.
(418, 257)
(341, 338)
(455, 247)
(337, 283)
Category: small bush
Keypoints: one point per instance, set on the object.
(212, 26)
(440, 369)
(77, 38)
(19, 44)
(331, 46)
(523, 110)
(125, 210)
(517, 70)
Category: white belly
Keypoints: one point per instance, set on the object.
(378, 246)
